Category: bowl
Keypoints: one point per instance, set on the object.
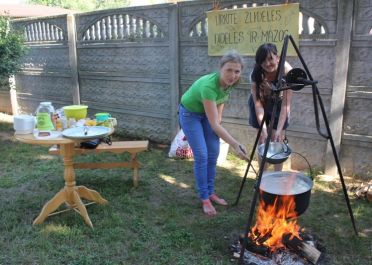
(24, 124)
(77, 112)
(277, 152)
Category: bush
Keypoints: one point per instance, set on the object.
(11, 49)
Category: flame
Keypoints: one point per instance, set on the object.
(272, 223)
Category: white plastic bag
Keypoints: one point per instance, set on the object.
(180, 147)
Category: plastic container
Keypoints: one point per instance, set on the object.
(102, 116)
(224, 149)
(76, 112)
(44, 116)
(24, 124)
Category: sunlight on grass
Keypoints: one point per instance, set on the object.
(46, 157)
(324, 187)
(173, 181)
(57, 229)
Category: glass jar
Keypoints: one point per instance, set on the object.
(44, 116)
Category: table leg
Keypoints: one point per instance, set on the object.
(91, 195)
(51, 206)
(82, 210)
(135, 165)
(71, 194)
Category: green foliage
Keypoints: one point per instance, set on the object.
(11, 49)
(83, 5)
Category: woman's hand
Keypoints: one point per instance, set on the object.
(278, 136)
(263, 136)
(241, 152)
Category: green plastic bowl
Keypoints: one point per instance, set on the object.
(77, 112)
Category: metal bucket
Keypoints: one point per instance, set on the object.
(277, 152)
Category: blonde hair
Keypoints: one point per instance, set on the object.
(231, 56)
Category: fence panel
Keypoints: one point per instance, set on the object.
(46, 73)
(356, 152)
(125, 67)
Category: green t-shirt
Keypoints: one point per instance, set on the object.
(206, 87)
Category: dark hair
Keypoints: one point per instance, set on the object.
(257, 75)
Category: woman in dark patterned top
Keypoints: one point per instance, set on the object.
(261, 100)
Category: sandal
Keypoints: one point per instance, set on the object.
(208, 208)
(218, 200)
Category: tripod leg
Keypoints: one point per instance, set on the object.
(259, 177)
(337, 161)
(250, 159)
(316, 95)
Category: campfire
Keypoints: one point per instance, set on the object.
(277, 232)
(272, 224)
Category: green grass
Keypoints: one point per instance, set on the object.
(160, 222)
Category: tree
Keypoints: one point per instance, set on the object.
(11, 50)
(83, 5)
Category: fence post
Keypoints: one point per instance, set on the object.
(71, 29)
(344, 31)
(174, 67)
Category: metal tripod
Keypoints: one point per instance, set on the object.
(280, 85)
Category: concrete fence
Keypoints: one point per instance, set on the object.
(136, 62)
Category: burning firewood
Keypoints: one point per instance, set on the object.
(253, 247)
(302, 248)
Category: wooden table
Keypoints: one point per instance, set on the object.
(117, 147)
(70, 193)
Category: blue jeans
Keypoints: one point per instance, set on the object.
(205, 145)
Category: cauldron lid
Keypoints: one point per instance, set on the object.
(285, 183)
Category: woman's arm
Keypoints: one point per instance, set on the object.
(212, 113)
(259, 112)
(285, 109)
(220, 110)
(284, 112)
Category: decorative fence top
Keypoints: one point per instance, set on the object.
(41, 31)
(122, 27)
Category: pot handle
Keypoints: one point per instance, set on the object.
(311, 172)
(285, 141)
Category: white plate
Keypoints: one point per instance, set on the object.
(52, 135)
(80, 133)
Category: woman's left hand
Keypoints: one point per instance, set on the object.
(278, 136)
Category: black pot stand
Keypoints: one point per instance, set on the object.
(296, 80)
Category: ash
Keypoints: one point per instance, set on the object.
(281, 257)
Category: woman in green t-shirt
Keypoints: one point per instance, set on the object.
(200, 115)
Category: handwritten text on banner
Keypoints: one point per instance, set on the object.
(244, 29)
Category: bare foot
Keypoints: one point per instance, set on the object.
(218, 200)
(208, 208)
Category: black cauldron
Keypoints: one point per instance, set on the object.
(280, 184)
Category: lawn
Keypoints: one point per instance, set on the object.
(160, 222)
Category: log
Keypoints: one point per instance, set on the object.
(302, 248)
(253, 247)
